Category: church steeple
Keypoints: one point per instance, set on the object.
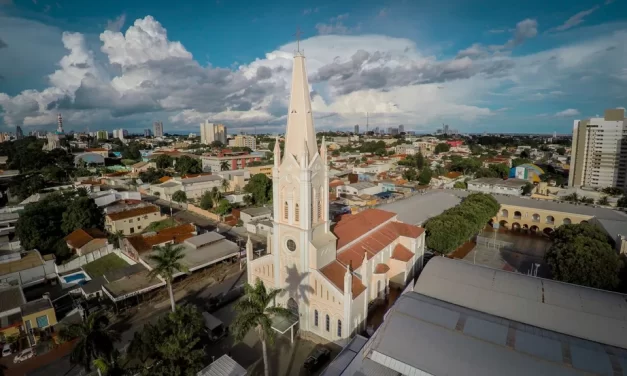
(300, 126)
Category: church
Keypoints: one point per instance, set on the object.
(330, 273)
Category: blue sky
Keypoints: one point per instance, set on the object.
(476, 65)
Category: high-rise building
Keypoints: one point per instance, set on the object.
(147, 132)
(599, 155)
(157, 129)
(401, 128)
(245, 141)
(210, 132)
(445, 129)
(114, 133)
(102, 135)
(59, 124)
(19, 134)
(356, 129)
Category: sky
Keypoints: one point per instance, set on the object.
(478, 66)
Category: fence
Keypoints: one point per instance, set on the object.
(85, 259)
(204, 213)
(494, 243)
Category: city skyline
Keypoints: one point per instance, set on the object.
(534, 70)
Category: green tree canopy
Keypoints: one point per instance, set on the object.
(410, 174)
(519, 161)
(82, 212)
(179, 196)
(425, 176)
(622, 202)
(163, 161)
(206, 201)
(460, 185)
(260, 188)
(584, 255)
(167, 260)
(442, 148)
(188, 165)
(152, 175)
(224, 207)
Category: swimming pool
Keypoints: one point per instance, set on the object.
(77, 278)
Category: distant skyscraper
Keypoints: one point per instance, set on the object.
(554, 134)
(401, 128)
(19, 134)
(157, 129)
(147, 132)
(210, 132)
(115, 133)
(102, 135)
(445, 129)
(59, 124)
(357, 129)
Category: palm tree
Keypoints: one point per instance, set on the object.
(603, 201)
(224, 166)
(111, 365)
(255, 311)
(215, 196)
(116, 238)
(94, 339)
(167, 259)
(225, 184)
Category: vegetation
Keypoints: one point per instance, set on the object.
(520, 161)
(417, 161)
(167, 261)
(164, 161)
(188, 165)
(160, 225)
(425, 176)
(260, 188)
(179, 196)
(613, 191)
(82, 212)
(224, 184)
(224, 166)
(622, 202)
(603, 201)
(449, 230)
(94, 339)
(460, 185)
(410, 174)
(104, 265)
(172, 346)
(206, 201)
(254, 312)
(584, 255)
(442, 147)
(224, 207)
(152, 175)
(527, 189)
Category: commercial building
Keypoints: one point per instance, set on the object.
(194, 187)
(133, 220)
(135, 246)
(465, 319)
(26, 268)
(358, 189)
(599, 151)
(210, 132)
(157, 129)
(102, 135)
(266, 170)
(228, 159)
(497, 185)
(245, 141)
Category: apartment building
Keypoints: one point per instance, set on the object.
(132, 221)
(157, 129)
(245, 141)
(210, 132)
(232, 160)
(599, 151)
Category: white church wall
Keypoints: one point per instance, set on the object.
(326, 299)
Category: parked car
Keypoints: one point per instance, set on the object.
(216, 329)
(25, 354)
(320, 356)
(6, 350)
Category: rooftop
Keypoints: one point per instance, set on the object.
(133, 212)
(507, 183)
(362, 185)
(78, 238)
(255, 212)
(351, 227)
(223, 366)
(36, 306)
(11, 297)
(134, 283)
(201, 179)
(147, 241)
(30, 259)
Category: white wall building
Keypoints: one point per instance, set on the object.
(210, 132)
(512, 187)
(358, 189)
(245, 141)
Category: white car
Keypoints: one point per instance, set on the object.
(6, 350)
(26, 354)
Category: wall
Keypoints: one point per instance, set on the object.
(52, 318)
(327, 299)
(82, 260)
(133, 225)
(507, 212)
(204, 213)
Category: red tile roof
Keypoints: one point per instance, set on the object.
(165, 178)
(78, 238)
(381, 268)
(351, 227)
(133, 213)
(335, 273)
(335, 183)
(144, 243)
(401, 253)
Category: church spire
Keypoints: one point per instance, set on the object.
(300, 126)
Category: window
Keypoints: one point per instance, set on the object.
(339, 328)
(139, 227)
(132, 230)
(316, 317)
(319, 208)
(285, 211)
(296, 213)
(42, 321)
(130, 221)
(328, 323)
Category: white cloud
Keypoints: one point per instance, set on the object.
(568, 113)
(576, 19)
(336, 26)
(116, 24)
(525, 29)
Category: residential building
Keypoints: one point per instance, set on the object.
(427, 148)
(356, 129)
(133, 220)
(135, 246)
(329, 276)
(38, 316)
(237, 179)
(446, 181)
(157, 129)
(255, 214)
(599, 151)
(358, 189)
(210, 132)
(406, 149)
(266, 170)
(226, 158)
(194, 186)
(26, 268)
(496, 323)
(102, 135)
(245, 141)
(19, 134)
(497, 185)
(84, 241)
(11, 299)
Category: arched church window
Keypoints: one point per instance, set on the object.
(316, 317)
(285, 211)
(328, 323)
(296, 213)
(339, 328)
(319, 205)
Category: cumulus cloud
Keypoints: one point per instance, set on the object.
(567, 113)
(576, 19)
(525, 29)
(116, 24)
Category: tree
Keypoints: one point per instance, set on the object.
(524, 154)
(527, 189)
(188, 165)
(163, 161)
(22, 188)
(116, 238)
(255, 312)
(586, 200)
(460, 185)
(584, 255)
(561, 151)
(225, 185)
(442, 147)
(167, 260)
(112, 365)
(224, 166)
(612, 191)
(217, 144)
(425, 176)
(603, 201)
(179, 196)
(420, 161)
(410, 174)
(82, 212)
(519, 161)
(206, 201)
(224, 207)
(335, 153)
(172, 346)
(95, 340)
(622, 202)
(573, 197)
(152, 175)
(260, 188)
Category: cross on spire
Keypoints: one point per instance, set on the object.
(297, 34)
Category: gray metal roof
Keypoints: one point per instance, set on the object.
(426, 334)
(11, 298)
(346, 356)
(36, 306)
(417, 209)
(508, 183)
(94, 285)
(594, 315)
(201, 179)
(254, 212)
(204, 239)
(223, 366)
(362, 185)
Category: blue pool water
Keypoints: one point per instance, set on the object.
(75, 277)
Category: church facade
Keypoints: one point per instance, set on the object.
(330, 275)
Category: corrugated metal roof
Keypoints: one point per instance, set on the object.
(223, 366)
(587, 313)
